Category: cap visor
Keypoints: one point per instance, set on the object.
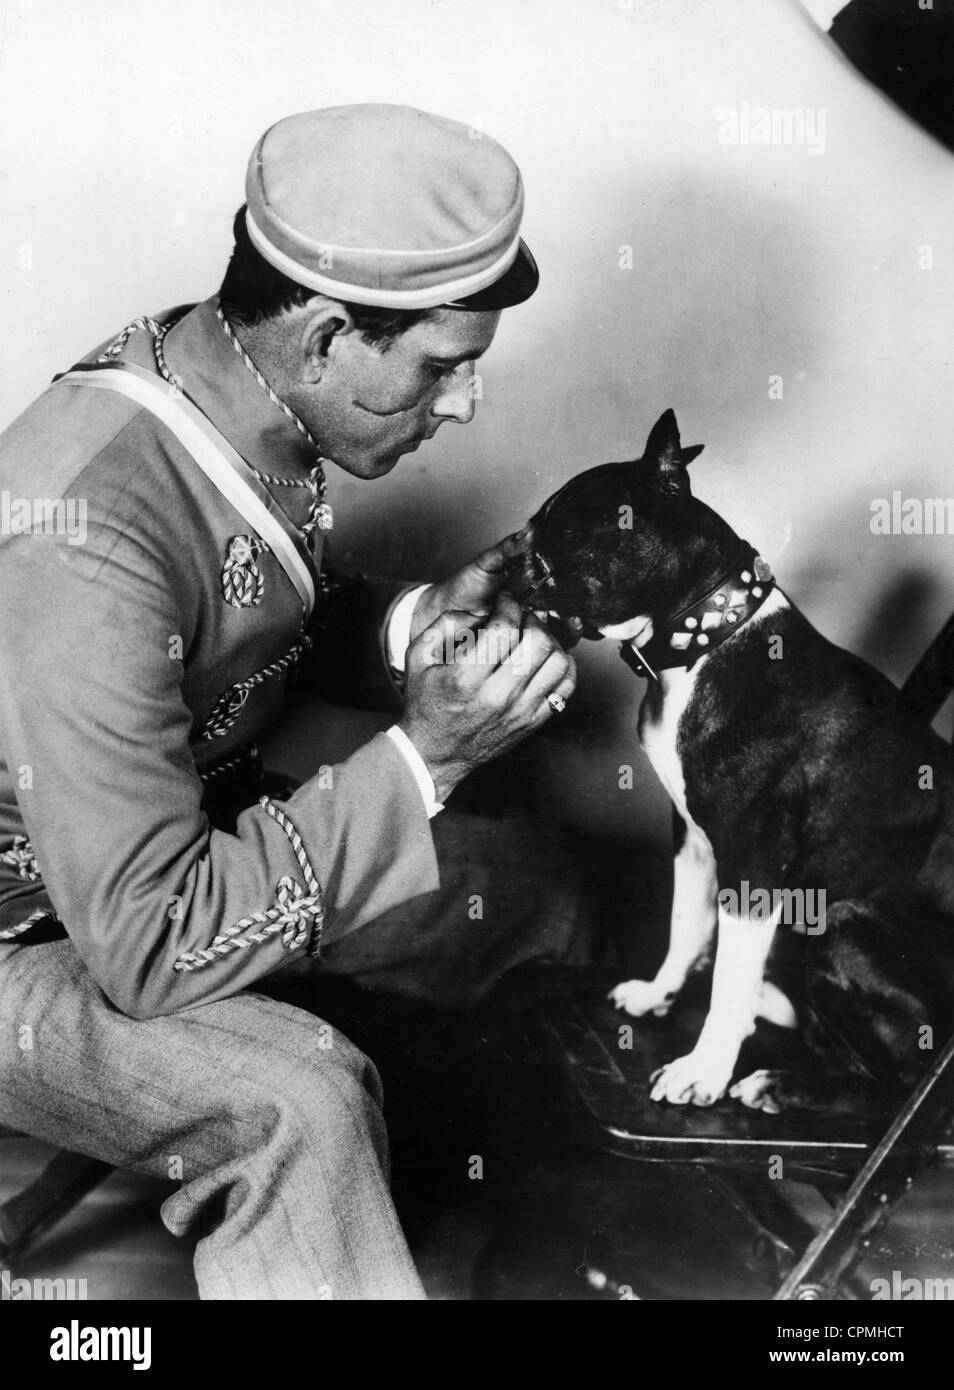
(514, 286)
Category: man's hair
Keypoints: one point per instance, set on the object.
(254, 291)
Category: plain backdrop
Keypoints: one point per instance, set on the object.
(125, 126)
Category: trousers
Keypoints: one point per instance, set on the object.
(269, 1119)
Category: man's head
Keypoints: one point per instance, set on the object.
(372, 261)
(370, 383)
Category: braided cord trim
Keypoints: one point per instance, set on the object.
(11, 933)
(301, 854)
(158, 332)
(320, 516)
(247, 756)
(320, 513)
(231, 702)
(298, 915)
(272, 394)
(20, 856)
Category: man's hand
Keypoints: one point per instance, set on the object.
(473, 589)
(473, 692)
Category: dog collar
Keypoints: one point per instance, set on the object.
(697, 630)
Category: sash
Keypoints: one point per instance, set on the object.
(222, 465)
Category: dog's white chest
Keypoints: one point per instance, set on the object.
(659, 729)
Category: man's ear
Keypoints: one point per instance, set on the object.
(325, 320)
(667, 459)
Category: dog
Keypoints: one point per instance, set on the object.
(793, 767)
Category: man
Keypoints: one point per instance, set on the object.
(141, 661)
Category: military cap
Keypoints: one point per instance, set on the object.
(390, 206)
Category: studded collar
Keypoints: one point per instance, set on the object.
(704, 625)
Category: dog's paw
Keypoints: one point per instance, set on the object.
(640, 997)
(696, 1079)
(757, 1091)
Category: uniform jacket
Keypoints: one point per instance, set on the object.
(117, 656)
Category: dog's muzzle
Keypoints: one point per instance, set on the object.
(534, 586)
(533, 583)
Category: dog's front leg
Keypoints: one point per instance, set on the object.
(703, 1075)
(691, 927)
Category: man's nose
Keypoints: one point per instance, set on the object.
(456, 399)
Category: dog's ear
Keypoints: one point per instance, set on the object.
(666, 458)
(690, 452)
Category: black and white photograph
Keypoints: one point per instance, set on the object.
(476, 654)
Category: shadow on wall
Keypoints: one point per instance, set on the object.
(720, 286)
(888, 609)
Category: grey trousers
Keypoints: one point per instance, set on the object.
(269, 1120)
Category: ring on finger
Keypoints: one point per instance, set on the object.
(556, 703)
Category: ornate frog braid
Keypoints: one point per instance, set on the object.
(298, 916)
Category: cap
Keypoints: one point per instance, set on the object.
(392, 207)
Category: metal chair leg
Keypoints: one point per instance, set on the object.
(909, 1145)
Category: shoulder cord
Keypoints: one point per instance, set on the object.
(298, 916)
(228, 707)
(319, 511)
(319, 514)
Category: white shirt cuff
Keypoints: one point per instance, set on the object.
(399, 628)
(418, 768)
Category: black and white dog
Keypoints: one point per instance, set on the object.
(794, 768)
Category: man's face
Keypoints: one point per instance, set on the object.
(373, 404)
